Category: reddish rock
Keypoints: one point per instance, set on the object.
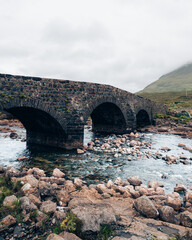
(180, 188)
(186, 219)
(145, 206)
(7, 222)
(175, 203)
(80, 151)
(58, 173)
(135, 181)
(167, 214)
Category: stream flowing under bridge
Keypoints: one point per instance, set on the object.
(54, 112)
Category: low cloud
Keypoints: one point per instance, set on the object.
(128, 44)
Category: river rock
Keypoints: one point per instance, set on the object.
(78, 182)
(101, 188)
(182, 156)
(154, 184)
(41, 217)
(135, 181)
(9, 200)
(69, 236)
(180, 188)
(141, 190)
(145, 206)
(189, 196)
(7, 222)
(23, 158)
(93, 215)
(186, 219)
(11, 172)
(69, 186)
(48, 207)
(63, 198)
(109, 184)
(160, 191)
(27, 204)
(35, 200)
(119, 181)
(167, 214)
(80, 151)
(58, 173)
(30, 179)
(13, 135)
(37, 172)
(174, 202)
(54, 236)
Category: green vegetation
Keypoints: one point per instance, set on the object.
(67, 111)
(22, 95)
(3, 94)
(7, 188)
(174, 100)
(177, 80)
(71, 223)
(106, 232)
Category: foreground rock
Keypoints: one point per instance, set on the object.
(49, 201)
(167, 214)
(93, 215)
(7, 222)
(145, 206)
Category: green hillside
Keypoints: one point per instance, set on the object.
(174, 100)
(175, 81)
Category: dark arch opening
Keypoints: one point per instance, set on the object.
(142, 119)
(108, 118)
(41, 127)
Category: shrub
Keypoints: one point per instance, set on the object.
(71, 223)
(106, 232)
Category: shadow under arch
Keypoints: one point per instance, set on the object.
(107, 117)
(41, 127)
(142, 118)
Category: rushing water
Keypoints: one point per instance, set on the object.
(93, 166)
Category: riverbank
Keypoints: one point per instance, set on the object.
(33, 206)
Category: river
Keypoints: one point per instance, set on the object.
(96, 167)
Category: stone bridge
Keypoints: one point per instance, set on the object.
(54, 112)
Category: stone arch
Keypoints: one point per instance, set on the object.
(142, 118)
(41, 123)
(107, 116)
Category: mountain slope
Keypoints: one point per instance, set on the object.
(175, 81)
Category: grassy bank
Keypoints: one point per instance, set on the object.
(174, 100)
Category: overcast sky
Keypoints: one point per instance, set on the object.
(125, 43)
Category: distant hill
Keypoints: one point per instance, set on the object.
(175, 81)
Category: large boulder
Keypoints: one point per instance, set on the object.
(69, 236)
(37, 172)
(11, 172)
(167, 214)
(48, 207)
(7, 222)
(93, 215)
(54, 236)
(30, 179)
(9, 200)
(27, 204)
(145, 206)
(186, 219)
(174, 202)
(135, 181)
